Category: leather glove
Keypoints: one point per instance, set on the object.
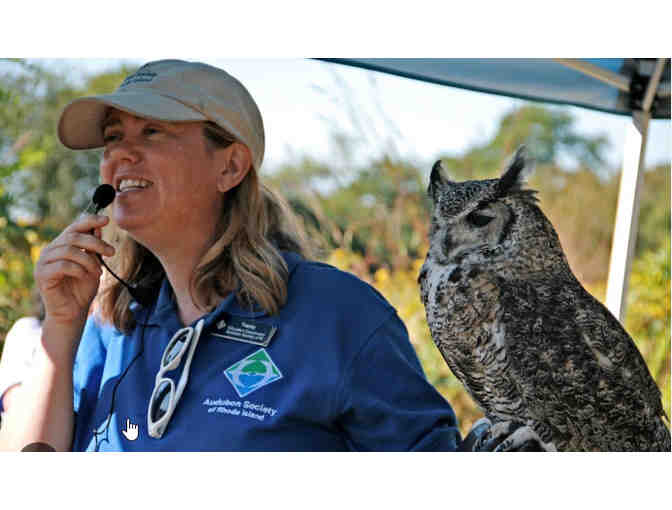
(504, 436)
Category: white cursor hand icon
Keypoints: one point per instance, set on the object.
(131, 432)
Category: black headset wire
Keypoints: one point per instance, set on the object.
(96, 431)
(102, 197)
(142, 296)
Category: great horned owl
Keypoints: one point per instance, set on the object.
(528, 342)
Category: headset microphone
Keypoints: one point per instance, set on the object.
(102, 197)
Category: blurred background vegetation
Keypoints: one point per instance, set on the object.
(371, 219)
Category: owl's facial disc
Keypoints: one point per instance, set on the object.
(472, 217)
(471, 234)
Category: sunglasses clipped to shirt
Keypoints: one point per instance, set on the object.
(166, 395)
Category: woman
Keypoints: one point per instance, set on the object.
(243, 343)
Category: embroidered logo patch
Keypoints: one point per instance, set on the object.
(253, 372)
(139, 77)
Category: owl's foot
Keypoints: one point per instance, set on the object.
(516, 437)
(505, 436)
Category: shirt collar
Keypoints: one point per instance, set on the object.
(164, 309)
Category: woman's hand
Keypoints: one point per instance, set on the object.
(68, 270)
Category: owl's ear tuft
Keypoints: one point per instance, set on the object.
(520, 167)
(436, 180)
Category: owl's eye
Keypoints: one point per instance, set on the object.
(479, 220)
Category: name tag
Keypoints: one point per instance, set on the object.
(245, 330)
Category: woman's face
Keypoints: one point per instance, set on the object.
(166, 179)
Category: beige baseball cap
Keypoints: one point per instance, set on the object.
(173, 91)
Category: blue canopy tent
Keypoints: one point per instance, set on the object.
(639, 88)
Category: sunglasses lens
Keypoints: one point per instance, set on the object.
(161, 402)
(176, 347)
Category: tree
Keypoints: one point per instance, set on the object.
(549, 133)
(15, 262)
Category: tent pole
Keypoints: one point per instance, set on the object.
(604, 75)
(627, 214)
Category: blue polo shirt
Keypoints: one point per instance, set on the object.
(338, 373)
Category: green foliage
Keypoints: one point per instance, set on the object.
(15, 244)
(654, 213)
(648, 314)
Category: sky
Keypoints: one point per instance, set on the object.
(304, 101)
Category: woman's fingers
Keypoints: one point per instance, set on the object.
(87, 223)
(82, 234)
(87, 242)
(56, 273)
(69, 269)
(65, 256)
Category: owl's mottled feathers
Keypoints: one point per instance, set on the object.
(528, 342)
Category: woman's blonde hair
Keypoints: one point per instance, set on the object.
(255, 225)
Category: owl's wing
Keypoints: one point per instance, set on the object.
(577, 368)
(626, 384)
